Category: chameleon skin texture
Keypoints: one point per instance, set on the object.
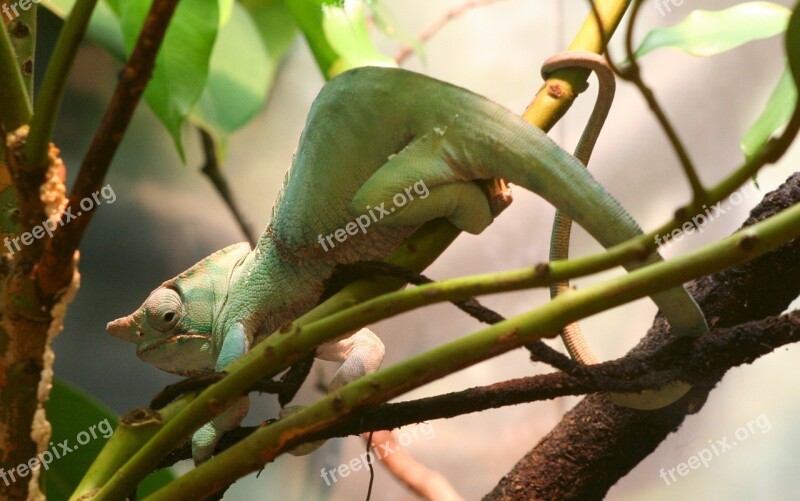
(372, 133)
(418, 128)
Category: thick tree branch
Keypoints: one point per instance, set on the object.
(598, 443)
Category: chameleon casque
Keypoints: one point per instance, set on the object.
(370, 134)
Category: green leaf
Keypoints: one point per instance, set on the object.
(85, 424)
(220, 93)
(308, 15)
(774, 117)
(249, 47)
(705, 33)
(275, 24)
(348, 33)
(182, 64)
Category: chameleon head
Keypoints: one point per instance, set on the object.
(173, 328)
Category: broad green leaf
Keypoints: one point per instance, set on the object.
(705, 33)
(275, 24)
(237, 79)
(85, 424)
(347, 32)
(251, 39)
(182, 64)
(308, 15)
(249, 47)
(775, 115)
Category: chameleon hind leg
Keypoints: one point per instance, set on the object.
(574, 340)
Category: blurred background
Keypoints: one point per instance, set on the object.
(167, 216)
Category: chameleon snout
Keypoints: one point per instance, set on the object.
(124, 328)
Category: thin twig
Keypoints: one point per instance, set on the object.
(56, 269)
(632, 73)
(217, 178)
(440, 23)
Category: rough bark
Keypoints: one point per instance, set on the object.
(597, 443)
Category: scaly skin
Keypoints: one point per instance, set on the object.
(371, 133)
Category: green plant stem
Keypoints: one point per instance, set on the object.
(15, 105)
(134, 429)
(266, 443)
(54, 85)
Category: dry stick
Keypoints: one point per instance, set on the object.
(597, 443)
(425, 482)
(56, 268)
(431, 30)
(214, 174)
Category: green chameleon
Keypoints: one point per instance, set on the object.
(371, 134)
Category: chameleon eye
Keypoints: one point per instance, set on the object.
(164, 309)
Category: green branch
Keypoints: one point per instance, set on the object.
(15, 105)
(135, 428)
(269, 441)
(54, 85)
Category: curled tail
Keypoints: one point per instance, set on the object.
(465, 137)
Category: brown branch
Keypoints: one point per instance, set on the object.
(702, 361)
(597, 443)
(56, 269)
(214, 174)
(418, 478)
(440, 23)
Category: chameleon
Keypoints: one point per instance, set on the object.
(371, 133)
